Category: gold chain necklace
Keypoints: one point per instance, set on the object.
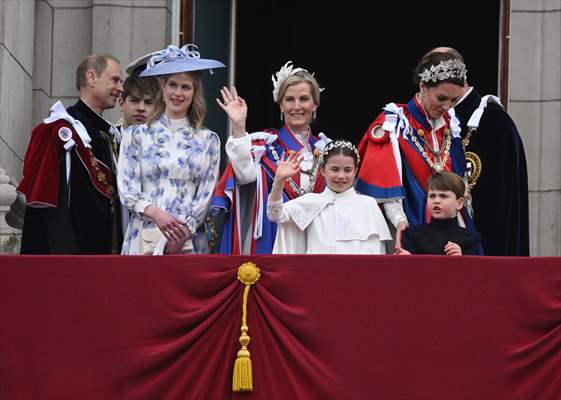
(440, 163)
(306, 146)
(467, 138)
(312, 173)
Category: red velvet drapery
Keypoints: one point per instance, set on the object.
(321, 327)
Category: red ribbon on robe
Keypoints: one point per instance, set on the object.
(40, 182)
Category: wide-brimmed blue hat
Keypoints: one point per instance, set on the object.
(173, 60)
(139, 65)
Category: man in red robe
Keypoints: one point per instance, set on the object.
(69, 170)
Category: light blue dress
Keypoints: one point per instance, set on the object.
(174, 170)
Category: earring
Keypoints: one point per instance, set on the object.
(314, 115)
(281, 116)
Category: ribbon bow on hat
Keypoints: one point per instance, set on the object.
(173, 60)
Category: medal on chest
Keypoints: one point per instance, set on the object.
(474, 165)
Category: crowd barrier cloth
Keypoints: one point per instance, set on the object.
(316, 327)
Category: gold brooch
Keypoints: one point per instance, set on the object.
(474, 167)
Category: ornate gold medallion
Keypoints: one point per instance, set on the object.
(248, 273)
(474, 167)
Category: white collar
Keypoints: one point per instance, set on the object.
(437, 123)
(58, 111)
(337, 195)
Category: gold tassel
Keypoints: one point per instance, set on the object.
(243, 374)
(248, 274)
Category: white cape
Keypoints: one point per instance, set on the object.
(331, 223)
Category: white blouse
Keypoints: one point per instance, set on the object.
(239, 153)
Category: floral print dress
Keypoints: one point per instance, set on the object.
(174, 170)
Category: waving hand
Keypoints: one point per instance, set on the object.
(235, 107)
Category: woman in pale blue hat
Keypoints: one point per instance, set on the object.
(168, 167)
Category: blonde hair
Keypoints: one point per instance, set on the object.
(196, 111)
(299, 77)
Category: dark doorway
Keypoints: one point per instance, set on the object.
(364, 59)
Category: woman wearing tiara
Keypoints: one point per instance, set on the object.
(335, 221)
(169, 166)
(407, 143)
(244, 188)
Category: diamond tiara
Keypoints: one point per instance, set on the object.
(446, 69)
(336, 144)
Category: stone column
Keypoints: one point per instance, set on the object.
(128, 29)
(16, 69)
(16, 74)
(10, 238)
(63, 37)
(535, 105)
(69, 30)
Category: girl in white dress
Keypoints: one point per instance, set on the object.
(336, 221)
(168, 167)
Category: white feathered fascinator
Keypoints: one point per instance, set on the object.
(285, 71)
